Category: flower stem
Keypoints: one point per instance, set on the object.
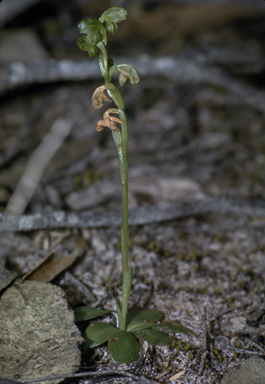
(120, 139)
(126, 274)
(121, 143)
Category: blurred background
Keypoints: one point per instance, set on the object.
(47, 29)
(196, 130)
(196, 118)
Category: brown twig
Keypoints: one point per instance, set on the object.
(105, 374)
(137, 216)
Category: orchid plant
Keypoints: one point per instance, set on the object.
(123, 340)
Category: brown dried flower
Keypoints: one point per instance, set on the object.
(109, 121)
(98, 96)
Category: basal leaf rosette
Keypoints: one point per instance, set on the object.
(124, 345)
(113, 16)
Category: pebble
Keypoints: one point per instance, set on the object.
(251, 371)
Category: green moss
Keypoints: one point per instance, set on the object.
(193, 255)
(217, 290)
(182, 235)
(218, 356)
(238, 344)
(217, 236)
(187, 347)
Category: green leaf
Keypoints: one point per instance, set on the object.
(94, 30)
(104, 67)
(101, 64)
(154, 337)
(118, 303)
(175, 327)
(114, 15)
(145, 318)
(124, 348)
(98, 333)
(117, 139)
(88, 313)
(136, 326)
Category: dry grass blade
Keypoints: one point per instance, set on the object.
(51, 266)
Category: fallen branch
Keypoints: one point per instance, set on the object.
(36, 166)
(105, 374)
(137, 216)
(245, 351)
(182, 70)
(7, 381)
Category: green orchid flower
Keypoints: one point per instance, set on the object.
(126, 72)
(113, 16)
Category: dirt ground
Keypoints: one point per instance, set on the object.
(196, 132)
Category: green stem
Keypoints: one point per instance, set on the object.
(123, 165)
(103, 62)
(126, 276)
(120, 139)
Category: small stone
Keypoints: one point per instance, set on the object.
(251, 371)
(165, 189)
(38, 334)
(98, 193)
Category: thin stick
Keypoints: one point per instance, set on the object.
(36, 166)
(138, 379)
